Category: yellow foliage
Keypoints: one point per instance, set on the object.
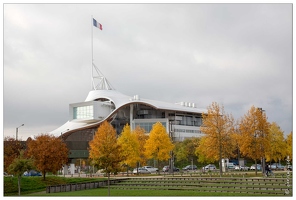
(130, 146)
(289, 148)
(159, 144)
(204, 152)
(277, 150)
(253, 137)
(219, 141)
(142, 138)
(105, 152)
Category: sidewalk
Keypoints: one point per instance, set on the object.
(82, 175)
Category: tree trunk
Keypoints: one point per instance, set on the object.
(256, 167)
(220, 158)
(109, 184)
(158, 167)
(19, 185)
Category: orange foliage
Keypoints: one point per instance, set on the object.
(49, 153)
(12, 150)
(105, 152)
(253, 137)
(218, 141)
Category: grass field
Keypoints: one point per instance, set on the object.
(148, 193)
(35, 186)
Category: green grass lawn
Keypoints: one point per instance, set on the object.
(36, 186)
(115, 192)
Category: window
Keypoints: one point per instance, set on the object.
(148, 125)
(83, 112)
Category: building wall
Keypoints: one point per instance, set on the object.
(181, 125)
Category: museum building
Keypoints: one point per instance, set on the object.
(182, 120)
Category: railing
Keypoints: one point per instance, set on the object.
(80, 186)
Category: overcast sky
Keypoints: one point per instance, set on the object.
(238, 55)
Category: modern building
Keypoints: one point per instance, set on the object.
(182, 120)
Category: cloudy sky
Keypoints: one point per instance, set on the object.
(238, 55)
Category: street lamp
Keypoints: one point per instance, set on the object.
(17, 131)
(262, 148)
(63, 132)
(65, 170)
(171, 160)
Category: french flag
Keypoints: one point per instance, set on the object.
(96, 24)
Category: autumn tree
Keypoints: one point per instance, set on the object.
(185, 150)
(159, 144)
(253, 137)
(50, 153)
(218, 141)
(277, 150)
(289, 146)
(130, 147)
(141, 138)
(18, 166)
(201, 151)
(11, 148)
(105, 151)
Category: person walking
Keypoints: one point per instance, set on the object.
(267, 170)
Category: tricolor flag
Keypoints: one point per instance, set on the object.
(96, 24)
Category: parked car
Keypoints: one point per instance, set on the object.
(253, 167)
(231, 165)
(141, 170)
(151, 169)
(7, 175)
(234, 161)
(190, 167)
(166, 169)
(242, 168)
(272, 166)
(277, 166)
(209, 167)
(32, 173)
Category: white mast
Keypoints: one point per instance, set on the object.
(99, 81)
(92, 54)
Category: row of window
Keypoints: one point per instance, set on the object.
(83, 112)
(187, 131)
(148, 125)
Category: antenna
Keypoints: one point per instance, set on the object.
(99, 81)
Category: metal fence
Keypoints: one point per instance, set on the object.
(80, 186)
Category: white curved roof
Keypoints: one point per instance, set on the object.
(120, 100)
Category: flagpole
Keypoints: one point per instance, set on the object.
(92, 55)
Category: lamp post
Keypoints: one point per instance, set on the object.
(261, 132)
(17, 130)
(171, 160)
(62, 133)
(65, 170)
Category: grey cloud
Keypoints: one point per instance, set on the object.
(236, 54)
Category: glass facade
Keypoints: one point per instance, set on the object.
(83, 112)
(147, 125)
